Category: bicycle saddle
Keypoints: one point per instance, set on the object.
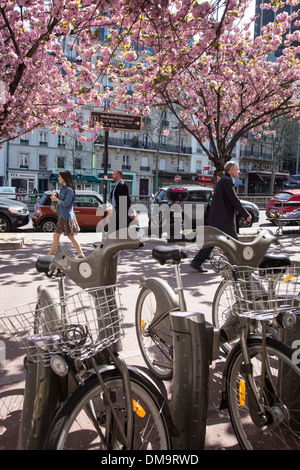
(274, 260)
(166, 253)
(43, 263)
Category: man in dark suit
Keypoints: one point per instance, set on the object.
(120, 200)
(223, 211)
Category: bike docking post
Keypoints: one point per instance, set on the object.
(195, 346)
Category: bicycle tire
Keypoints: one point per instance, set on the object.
(11, 405)
(72, 429)
(154, 349)
(285, 378)
(222, 309)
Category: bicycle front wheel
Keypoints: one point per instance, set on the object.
(223, 310)
(280, 397)
(155, 342)
(75, 428)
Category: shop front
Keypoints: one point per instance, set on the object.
(259, 182)
(28, 181)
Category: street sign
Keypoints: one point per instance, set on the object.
(177, 178)
(117, 121)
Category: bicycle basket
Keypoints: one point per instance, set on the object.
(81, 325)
(261, 294)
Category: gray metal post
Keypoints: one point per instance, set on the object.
(193, 340)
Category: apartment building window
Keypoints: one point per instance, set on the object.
(162, 164)
(163, 142)
(199, 166)
(78, 145)
(127, 138)
(24, 140)
(126, 162)
(144, 164)
(24, 160)
(61, 140)
(42, 162)
(146, 141)
(77, 163)
(43, 139)
(61, 162)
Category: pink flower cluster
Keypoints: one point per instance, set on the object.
(196, 58)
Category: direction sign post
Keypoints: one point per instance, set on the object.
(115, 121)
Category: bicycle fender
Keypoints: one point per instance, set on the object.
(166, 299)
(48, 296)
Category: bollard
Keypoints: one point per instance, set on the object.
(195, 346)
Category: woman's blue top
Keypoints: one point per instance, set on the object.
(65, 203)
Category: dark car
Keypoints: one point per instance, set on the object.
(88, 208)
(13, 214)
(195, 195)
(283, 202)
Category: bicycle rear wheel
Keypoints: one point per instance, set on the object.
(281, 397)
(156, 343)
(73, 428)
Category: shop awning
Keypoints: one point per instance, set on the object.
(78, 179)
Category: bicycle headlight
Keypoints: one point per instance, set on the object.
(59, 366)
(286, 320)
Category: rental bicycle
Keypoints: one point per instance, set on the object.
(79, 393)
(261, 379)
(222, 306)
(156, 299)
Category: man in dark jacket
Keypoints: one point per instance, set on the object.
(120, 200)
(223, 211)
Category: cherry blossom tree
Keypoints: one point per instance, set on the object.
(221, 92)
(40, 85)
(195, 57)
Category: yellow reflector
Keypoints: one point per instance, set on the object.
(242, 392)
(288, 278)
(143, 325)
(138, 409)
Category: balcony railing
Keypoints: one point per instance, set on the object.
(136, 143)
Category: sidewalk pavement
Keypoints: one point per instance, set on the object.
(19, 281)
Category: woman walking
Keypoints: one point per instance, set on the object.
(66, 222)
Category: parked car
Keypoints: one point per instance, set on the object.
(283, 202)
(13, 214)
(195, 195)
(86, 205)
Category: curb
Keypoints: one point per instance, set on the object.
(11, 242)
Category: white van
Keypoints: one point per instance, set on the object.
(8, 191)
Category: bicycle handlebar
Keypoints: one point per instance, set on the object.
(100, 267)
(237, 252)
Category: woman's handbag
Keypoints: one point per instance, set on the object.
(54, 206)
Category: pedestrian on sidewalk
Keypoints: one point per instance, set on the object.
(121, 202)
(66, 222)
(223, 211)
